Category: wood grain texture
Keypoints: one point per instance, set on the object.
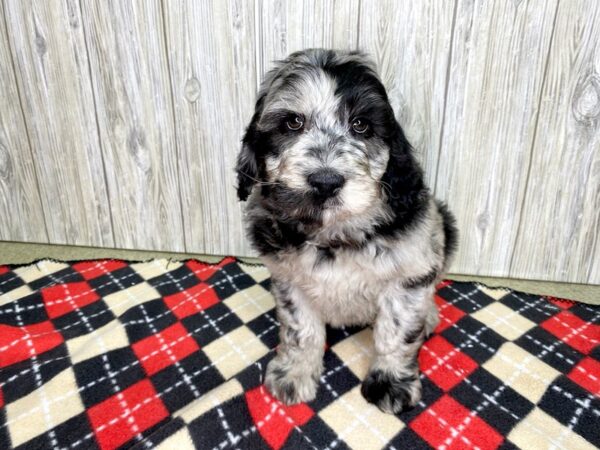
(213, 75)
(559, 233)
(499, 53)
(21, 213)
(285, 27)
(410, 42)
(128, 115)
(130, 79)
(52, 72)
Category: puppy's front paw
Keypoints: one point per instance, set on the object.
(391, 394)
(288, 384)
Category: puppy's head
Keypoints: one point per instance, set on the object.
(323, 142)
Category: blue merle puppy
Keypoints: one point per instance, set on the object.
(339, 212)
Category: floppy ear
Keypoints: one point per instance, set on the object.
(247, 162)
(403, 182)
(247, 168)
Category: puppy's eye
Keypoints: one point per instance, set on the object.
(360, 126)
(295, 123)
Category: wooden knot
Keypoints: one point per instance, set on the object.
(192, 89)
(5, 163)
(136, 144)
(40, 44)
(586, 100)
(483, 220)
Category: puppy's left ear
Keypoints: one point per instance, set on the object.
(403, 180)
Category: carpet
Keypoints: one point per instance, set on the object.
(163, 354)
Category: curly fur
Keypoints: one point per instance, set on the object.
(369, 254)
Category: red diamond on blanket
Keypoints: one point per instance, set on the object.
(587, 375)
(164, 348)
(561, 303)
(449, 314)
(204, 271)
(444, 364)
(579, 334)
(93, 269)
(25, 342)
(448, 424)
(274, 420)
(192, 300)
(64, 298)
(126, 414)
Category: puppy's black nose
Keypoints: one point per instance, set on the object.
(326, 182)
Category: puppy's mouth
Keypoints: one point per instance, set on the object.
(326, 202)
(304, 205)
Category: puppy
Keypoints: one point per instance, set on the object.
(338, 211)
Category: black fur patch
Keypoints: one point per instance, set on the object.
(278, 373)
(421, 281)
(412, 336)
(324, 254)
(292, 336)
(450, 229)
(405, 189)
(284, 300)
(288, 392)
(280, 199)
(379, 384)
(247, 168)
(271, 236)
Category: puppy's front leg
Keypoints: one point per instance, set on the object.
(403, 320)
(293, 375)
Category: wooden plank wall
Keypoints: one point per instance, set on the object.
(120, 120)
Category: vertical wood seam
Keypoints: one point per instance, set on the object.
(448, 74)
(258, 43)
(97, 121)
(358, 25)
(533, 141)
(25, 122)
(172, 98)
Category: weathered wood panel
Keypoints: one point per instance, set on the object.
(213, 81)
(499, 52)
(559, 233)
(285, 27)
(128, 115)
(135, 119)
(21, 213)
(52, 72)
(410, 42)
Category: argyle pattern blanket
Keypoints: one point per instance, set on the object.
(161, 354)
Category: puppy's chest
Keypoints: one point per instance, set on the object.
(342, 285)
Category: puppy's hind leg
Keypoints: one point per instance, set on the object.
(293, 375)
(403, 320)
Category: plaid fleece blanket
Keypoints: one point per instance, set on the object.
(110, 354)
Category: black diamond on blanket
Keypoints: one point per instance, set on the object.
(112, 354)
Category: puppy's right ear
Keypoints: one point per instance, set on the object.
(247, 162)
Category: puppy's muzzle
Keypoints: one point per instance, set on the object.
(326, 183)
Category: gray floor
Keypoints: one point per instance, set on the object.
(23, 253)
